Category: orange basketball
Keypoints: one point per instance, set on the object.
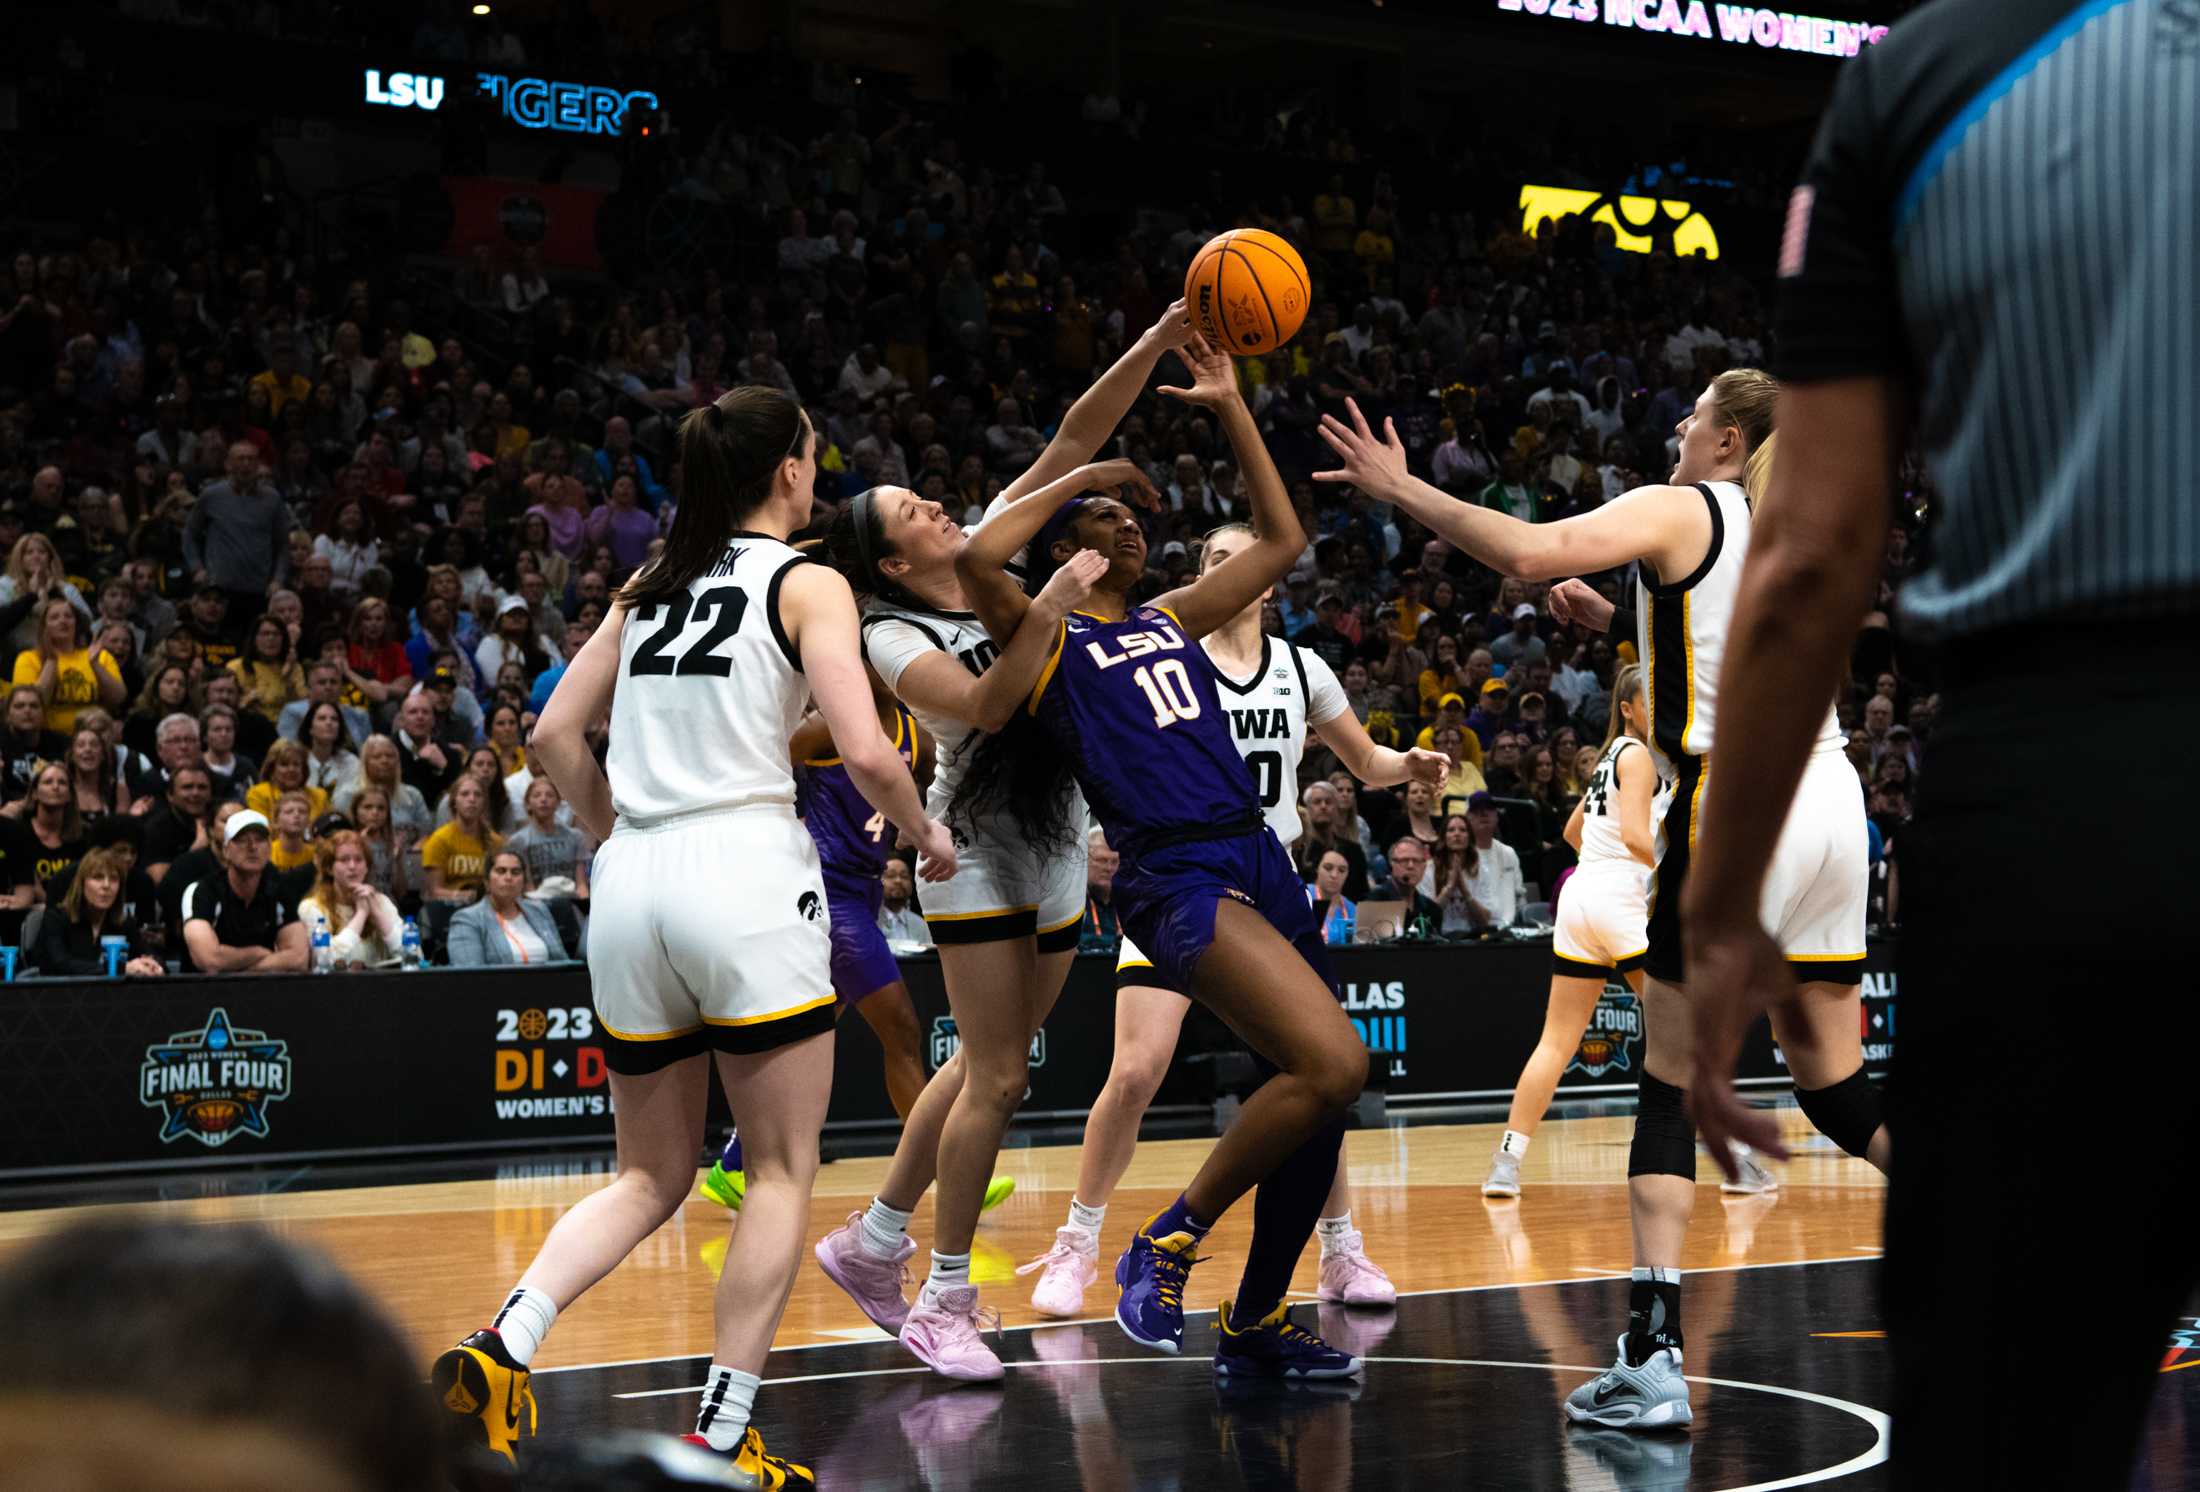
(1247, 291)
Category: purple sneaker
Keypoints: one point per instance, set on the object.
(874, 1284)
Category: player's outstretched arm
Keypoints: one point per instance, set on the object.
(1653, 523)
(581, 699)
(1093, 418)
(1278, 541)
(982, 567)
(938, 684)
(818, 612)
(1378, 766)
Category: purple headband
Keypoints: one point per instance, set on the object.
(1052, 529)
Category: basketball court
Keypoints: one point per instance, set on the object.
(1504, 1308)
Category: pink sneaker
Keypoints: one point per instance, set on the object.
(1348, 1275)
(1070, 1266)
(874, 1284)
(943, 1333)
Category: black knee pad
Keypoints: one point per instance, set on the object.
(1665, 1137)
(1848, 1113)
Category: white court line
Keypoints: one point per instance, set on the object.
(1109, 1320)
(1619, 1273)
(1873, 1456)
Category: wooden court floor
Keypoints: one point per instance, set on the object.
(441, 1255)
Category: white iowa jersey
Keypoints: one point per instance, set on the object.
(894, 637)
(1681, 632)
(709, 690)
(1269, 717)
(1601, 844)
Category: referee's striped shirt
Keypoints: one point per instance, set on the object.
(2003, 209)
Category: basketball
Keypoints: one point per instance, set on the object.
(1247, 291)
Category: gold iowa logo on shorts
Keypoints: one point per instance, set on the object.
(1640, 225)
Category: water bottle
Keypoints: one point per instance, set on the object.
(1342, 926)
(324, 957)
(409, 946)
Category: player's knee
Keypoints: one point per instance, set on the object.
(1339, 1076)
(1665, 1137)
(1848, 1113)
(998, 1082)
(1136, 1076)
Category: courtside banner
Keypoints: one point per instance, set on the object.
(195, 1071)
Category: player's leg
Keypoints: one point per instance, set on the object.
(1147, 1023)
(892, 1017)
(1819, 1031)
(779, 1099)
(1573, 1000)
(1348, 1275)
(484, 1380)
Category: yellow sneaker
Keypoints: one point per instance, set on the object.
(478, 1383)
(997, 1191)
(757, 1470)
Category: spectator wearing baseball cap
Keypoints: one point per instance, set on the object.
(1327, 638)
(1451, 709)
(234, 921)
(1496, 883)
(1295, 603)
(1488, 716)
(1520, 645)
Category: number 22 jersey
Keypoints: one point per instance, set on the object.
(709, 690)
(1133, 704)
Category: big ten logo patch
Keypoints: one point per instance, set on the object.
(946, 1041)
(1378, 1014)
(537, 1080)
(215, 1083)
(1613, 1040)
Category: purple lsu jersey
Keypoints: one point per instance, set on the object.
(852, 837)
(1133, 704)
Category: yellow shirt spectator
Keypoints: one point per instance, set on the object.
(461, 857)
(74, 687)
(262, 797)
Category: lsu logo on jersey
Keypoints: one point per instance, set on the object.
(1131, 645)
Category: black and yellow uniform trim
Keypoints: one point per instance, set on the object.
(1574, 968)
(1662, 960)
(1827, 968)
(1060, 938)
(638, 1054)
(1143, 975)
(983, 927)
(1669, 660)
(1046, 674)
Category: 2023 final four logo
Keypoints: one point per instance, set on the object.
(215, 1083)
(1614, 1031)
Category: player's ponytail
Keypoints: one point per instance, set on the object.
(731, 452)
(1626, 685)
(1747, 399)
(1757, 477)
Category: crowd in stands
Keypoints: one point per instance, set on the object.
(314, 546)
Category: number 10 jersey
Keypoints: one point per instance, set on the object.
(709, 690)
(1270, 714)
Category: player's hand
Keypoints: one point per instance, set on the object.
(1214, 380)
(1431, 767)
(1067, 588)
(1173, 329)
(1376, 467)
(1734, 967)
(1578, 601)
(935, 851)
(1136, 488)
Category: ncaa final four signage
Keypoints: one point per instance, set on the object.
(1735, 25)
(215, 1083)
(530, 103)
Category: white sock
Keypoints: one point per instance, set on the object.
(1655, 1275)
(1087, 1220)
(728, 1396)
(524, 1321)
(883, 1229)
(1331, 1231)
(1514, 1144)
(948, 1272)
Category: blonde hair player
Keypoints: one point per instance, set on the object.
(1688, 539)
(708, 940)
(1274, 692)
(1602, 931)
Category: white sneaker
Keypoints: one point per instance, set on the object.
(1754, 1180)
(1350, 1277)
(1068, 1268)
(1504, 1178)
(1652, 1396)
